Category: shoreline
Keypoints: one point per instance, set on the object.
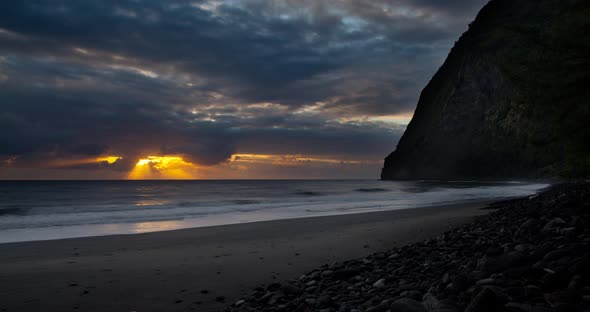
(139, 228)
(206, 268)
(139, 208)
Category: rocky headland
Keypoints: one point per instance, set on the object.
(510, 101)
(527, 255)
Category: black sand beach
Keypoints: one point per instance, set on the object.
(201, 269)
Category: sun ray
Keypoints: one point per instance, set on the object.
(109, 159)
(162, 167)
(64, 163)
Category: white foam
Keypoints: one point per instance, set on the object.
(142, 219)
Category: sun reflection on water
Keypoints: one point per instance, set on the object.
(155, 226)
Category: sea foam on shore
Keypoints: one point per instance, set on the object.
(36, 210)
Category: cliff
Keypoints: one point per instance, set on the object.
(511, 100)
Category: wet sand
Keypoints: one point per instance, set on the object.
(201, 269)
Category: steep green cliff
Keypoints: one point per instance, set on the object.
(512, 100)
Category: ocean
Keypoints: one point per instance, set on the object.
(41, 210)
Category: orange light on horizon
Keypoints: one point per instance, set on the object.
(109, 159)
(65, 163)
(277, 159)
(163, 162)
(162, 167)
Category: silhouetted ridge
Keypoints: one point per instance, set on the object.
(510, 101)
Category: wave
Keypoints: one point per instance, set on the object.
(307, 193)
(371, 190)
(245, 205)
(245, 201)
(13, 211)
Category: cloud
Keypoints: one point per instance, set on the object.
(207, 79)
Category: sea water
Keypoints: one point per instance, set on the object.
(40, 210)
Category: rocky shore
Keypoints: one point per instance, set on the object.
(530, 254)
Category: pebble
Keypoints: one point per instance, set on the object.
(380, 283)
(407, 305)
(485, 281)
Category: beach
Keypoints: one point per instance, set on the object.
(529, 254)
(202, 269)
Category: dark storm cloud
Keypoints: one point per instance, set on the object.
(85, 78)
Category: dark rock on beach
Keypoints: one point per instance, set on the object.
(529, 255)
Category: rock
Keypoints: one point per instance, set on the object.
(567, 231)
(524, 247)
(533, 291)
(494, 251)
(310, 301)
(486, 281)
(412, 294)
(274, 299)
(266, 296)
(496, 264)
(554, 225)
(555, 254)
(516, 292)
(575, 284)
(460, 282)
(314, 275)
(346, 273)
(518, 307)
(291, 289)
(311, 289)
(407, 305)
(432, 304)
(300, 308)
(485, 301)
(529, 225)
(445, 278)
(324, 301)
(378, 308)
(379, 284)
(488, 264)
(541, 309)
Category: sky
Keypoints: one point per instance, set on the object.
(214, 89)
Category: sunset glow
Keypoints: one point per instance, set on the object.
(65, 163)
(109, 159)
(317, 90)
(163, 162)
(237, 166)
(289, 160)
(162, 167)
